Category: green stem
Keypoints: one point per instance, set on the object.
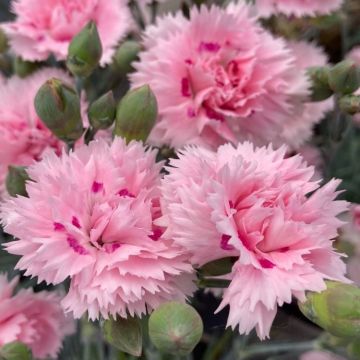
(89, 135)
(271, 349)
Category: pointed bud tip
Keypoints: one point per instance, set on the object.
(136, 114)
(344, 77)
(85, 51)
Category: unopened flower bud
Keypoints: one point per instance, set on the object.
(16, 181)
(344, 77)
(85, 51)
(102, 112)
(3, 42)
(350, 104)
(24, 68)
(136, 114)
(58, 106)
(175, 328)
(337, 309)
(125, 55)
(320, 88)
(15, 351)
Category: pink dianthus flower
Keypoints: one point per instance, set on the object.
(44, 27)
(297, 7)
(263, 208)
(35, 319)
(89, 216)
(231, 82)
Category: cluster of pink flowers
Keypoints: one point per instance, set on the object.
(45, 27)
(127, 237)
(232, 83)
(90, 216)
(254, 204)
(297, 7)
(35, 319)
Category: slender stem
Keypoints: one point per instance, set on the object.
(255, 350)
(154, 9)
(134, 6)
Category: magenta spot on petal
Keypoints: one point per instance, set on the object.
(231, 204)
(266, 264)
(225, 242)
(189, 61)
(75, 222)
(212, 114)
(185, 87)
(156, 234)
(96, 187)
(284, 249)
(73, 243)
(110, 248)
(125, 193)
(58, 226)
(209, 46)
(191, 112)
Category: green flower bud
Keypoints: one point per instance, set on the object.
(124, 334)
(344, 77)
(350, 104)
(24, 68)
(337, 309)
(320, 89)
(58, 106)
(125, 55)
(3, 42)
(16, 180)
(15, 351)
(175, 328)
(136, 114)
(85, 51)
(102, 111)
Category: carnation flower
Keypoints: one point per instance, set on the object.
(230, 83)
(297, 7)
(89, 216)
(35, 319)
(263, 208)
(44, 27)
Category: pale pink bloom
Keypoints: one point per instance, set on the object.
(44, 27)
(89, 216)
(297, 7)
(254, 204)
(230, 82)
(35, 319)
(320, 355)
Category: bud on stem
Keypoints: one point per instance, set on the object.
(102, 112)
(344, 77)
(58, 106)
(337, 309)
(125, 55)
(350, 104)
(320, 89)
(85, 51)
(136, 114)
(175, 328)
(16, 181)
